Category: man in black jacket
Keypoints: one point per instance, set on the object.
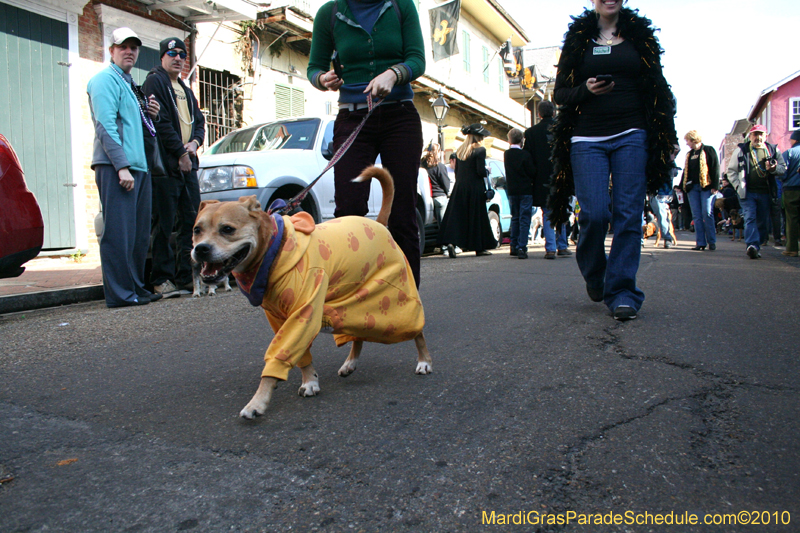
(519, 180)
(181, 130)
(538, 142)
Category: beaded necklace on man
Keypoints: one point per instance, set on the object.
(137, 93)
(177, 109)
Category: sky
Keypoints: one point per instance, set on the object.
(719, 55)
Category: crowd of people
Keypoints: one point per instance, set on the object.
(587, 168)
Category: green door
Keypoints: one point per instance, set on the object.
(34, 114)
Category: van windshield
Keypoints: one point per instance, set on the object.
(295, 134)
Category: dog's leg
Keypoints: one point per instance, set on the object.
(226, 284)
(260, 401)
(198, 287)
(351, 362)
(424, 363)
(310, 385)
(212, 290)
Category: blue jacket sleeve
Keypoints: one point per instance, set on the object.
(104, 101)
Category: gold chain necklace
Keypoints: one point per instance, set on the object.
(609, 41)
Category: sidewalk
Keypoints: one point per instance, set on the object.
(50, 282)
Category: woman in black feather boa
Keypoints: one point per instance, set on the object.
(615, 124)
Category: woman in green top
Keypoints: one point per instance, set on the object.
(380, 48)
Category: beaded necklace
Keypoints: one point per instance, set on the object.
(178, 111)
(137, 93)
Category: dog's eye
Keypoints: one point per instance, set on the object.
(227, 230)
(197, 230)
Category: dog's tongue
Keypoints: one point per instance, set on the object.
(210, 269)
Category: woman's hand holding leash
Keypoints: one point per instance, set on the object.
(382, 84)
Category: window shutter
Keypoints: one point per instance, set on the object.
(289, 102)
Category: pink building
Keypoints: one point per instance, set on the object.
(778, 108)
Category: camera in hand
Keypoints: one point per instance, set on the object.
(771, 161)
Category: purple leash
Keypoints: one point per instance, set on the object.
(283, 207)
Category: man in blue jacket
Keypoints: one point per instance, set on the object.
(181, 130)
(791, 195)
(119, 111)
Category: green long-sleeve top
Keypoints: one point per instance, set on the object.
(394, 41)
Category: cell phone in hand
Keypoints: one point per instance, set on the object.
(337, 65)
(604, 78)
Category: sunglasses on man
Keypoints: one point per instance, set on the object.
(175, 53)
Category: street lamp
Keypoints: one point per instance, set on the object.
(440, 109)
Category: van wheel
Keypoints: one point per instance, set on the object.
(497, 230)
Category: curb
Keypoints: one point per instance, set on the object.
(54, 298)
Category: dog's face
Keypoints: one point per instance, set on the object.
(228, 237)
(648, 230)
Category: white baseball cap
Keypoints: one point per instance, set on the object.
(120, 35)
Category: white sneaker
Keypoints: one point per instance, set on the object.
(167, 290)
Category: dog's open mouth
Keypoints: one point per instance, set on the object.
(216, 272)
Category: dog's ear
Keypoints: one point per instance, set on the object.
(250, 202)
(204, 203)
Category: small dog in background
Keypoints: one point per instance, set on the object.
(737, 223)
(650, 229)
(201, 287)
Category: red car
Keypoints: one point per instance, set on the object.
(21, 224)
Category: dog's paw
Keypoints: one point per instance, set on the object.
(196, 294)
(212, 291)
(424, 368)
(252, 410)
(309, 389)
(347, 368)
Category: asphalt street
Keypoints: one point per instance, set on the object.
(539, 404)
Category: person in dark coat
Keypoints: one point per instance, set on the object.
(466, 221)
(181, 131)
(519, 179)
(439, 178)
(538, 142)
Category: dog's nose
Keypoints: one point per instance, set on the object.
(202, 251)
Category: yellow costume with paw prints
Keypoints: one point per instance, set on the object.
(347, 274)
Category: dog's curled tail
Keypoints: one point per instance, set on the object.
(387, 186)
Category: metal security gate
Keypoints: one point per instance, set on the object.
(221, 103)
(34, 114)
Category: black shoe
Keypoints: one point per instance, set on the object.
(549, 255)
(143, 300)
(595, 294)
(564, 252)
(514, 252)
(752, 252)
(699, 248)
(152, 296)
(522, 254)
(624, 312)
(668, 244)
(712, 246)
(451, 251)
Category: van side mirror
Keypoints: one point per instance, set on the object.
(327, 151)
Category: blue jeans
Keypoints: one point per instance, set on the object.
(756, 208)
(593, 163)
(553, 241)
(660, 207)
(702, 202)
(521, 211)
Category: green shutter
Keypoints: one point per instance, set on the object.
(289, 102)
(34, 114)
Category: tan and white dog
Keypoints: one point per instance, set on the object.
(347, 275)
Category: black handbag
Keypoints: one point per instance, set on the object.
(155, 162)
(489, 190)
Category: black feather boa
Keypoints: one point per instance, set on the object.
(659, 104)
